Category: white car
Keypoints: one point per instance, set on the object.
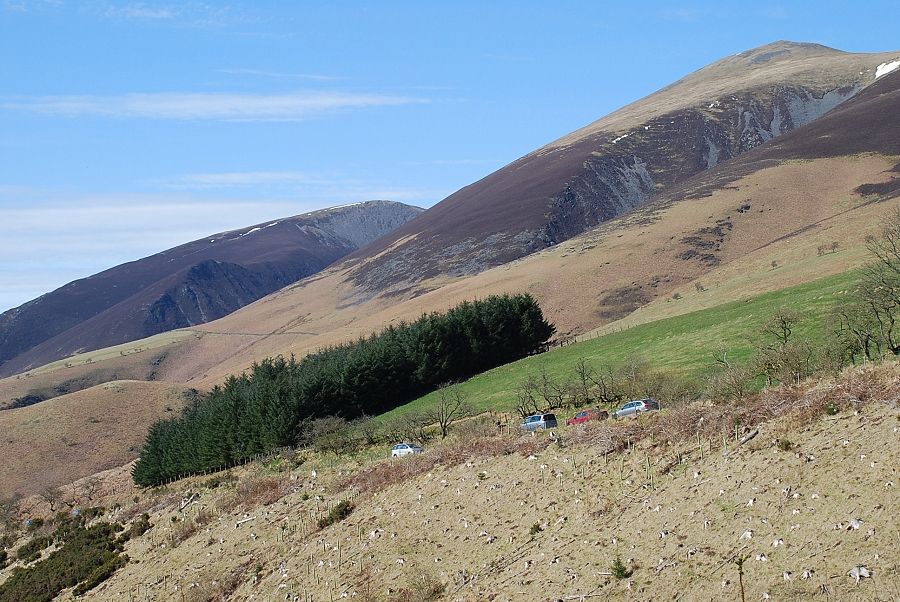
(404, 449)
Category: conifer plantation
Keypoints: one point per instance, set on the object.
(264, 409)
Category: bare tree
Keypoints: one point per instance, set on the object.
(89, 487)
(52, 496)
(782, 325)
(452, 405)
(369, 430)
(411, 427)
(607, 385)
(731, 381)
(526, 403)
(553, 394)
(880, 288)
(584, 380)
(855, 332)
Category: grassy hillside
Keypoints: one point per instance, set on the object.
(682, 344)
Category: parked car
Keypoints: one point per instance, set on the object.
(537, 422)
(587, 415)
(635, 407)
(404, 449)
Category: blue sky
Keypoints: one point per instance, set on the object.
(130, 127)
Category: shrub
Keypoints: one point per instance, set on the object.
(338, 513)
(87, 557)
(139, 527)
(619, 570)
(785, 444)
(181, 532)
(330, 434)
(32, 549)
(535, 529)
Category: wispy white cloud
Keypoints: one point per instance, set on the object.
(278, 74)
(294, 106)
(684, 14)
(322, 188)
(191, 14)
(141, 11)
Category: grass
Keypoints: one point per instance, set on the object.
(682, 344)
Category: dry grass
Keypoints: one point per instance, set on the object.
(255, 491)
(453, 453)
(799, 405)
(61, 440)
(212, 587)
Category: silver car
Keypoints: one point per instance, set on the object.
(539, 421)
(637, 406)
(404, 449)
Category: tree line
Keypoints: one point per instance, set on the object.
(268, 407)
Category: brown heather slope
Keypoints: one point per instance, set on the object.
(618, 162)
(60, 440)
(461, 516)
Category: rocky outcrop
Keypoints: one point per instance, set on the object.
(623, 172)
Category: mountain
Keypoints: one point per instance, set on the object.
(829, 181)
(190, 284)
(620, 161)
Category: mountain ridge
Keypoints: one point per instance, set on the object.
(189, 284)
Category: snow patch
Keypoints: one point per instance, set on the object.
(885, 68)
(250, 231)
(622, 137)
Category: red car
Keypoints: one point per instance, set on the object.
(586, 415)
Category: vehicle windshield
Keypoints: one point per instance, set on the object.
(533, 419)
